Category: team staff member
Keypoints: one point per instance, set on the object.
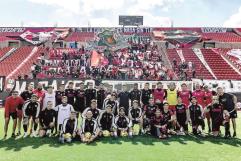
(135, 94)
(12, 104)
(31, 109)
(90, 94)
(47, 120)
(229, 103)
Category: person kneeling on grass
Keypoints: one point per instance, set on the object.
(47, 120)
(182, 117)
(215, 109)
(106, 122)
(196, 116)
(122, 124)
(89, 130)
(69, 128)
(135, 115)
(168, 118)
(159, 126)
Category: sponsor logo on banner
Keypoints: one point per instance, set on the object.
(213, 30)
(21, 85)
(12, 29)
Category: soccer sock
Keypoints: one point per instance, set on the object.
(115, 133)
(25, 128)
(35, 127)
(130, 133)
(227, 126)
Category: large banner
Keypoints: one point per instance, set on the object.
(45, 35)
(12, 29)
(95, 59)
(110, 84)
(213, 30)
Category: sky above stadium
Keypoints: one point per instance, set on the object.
(183, 13)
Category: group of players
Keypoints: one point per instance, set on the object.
(158, 112)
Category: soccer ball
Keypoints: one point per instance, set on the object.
(106, 133)
(67, 136)
(123, 133)
(87, 135)
(136, 129)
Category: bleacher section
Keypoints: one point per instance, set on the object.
(219, 66)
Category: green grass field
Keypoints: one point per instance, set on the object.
(146, 148)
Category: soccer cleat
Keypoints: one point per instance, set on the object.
(25, 135)
(19, 133)
(234, 134)
(13, 135)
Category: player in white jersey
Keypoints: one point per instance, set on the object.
(48, 96)
(64, 110)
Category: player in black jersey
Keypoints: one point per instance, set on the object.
(31, 109)
(93, 108)
(135, 94)
(106, 122)
(181, 113)
(26, 95)
(89, 129)
(196, 116)
(47, 120)
(59, 94)
(101, 94)
(216, 112)
(80, 98)
(111, 100)
(148, 114)
(70, 93)
(168, 118)
(90, 94)
(146, 94)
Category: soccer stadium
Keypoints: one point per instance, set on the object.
(132, 88)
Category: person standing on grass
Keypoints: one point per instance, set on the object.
(12, 105)
(229, 102)
(31, 109)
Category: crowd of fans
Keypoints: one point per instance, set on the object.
(140, 61)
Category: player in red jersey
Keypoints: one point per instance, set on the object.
(12, 104)
(207, 101)
(159, 93)
(199, 94)
(185, 95)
